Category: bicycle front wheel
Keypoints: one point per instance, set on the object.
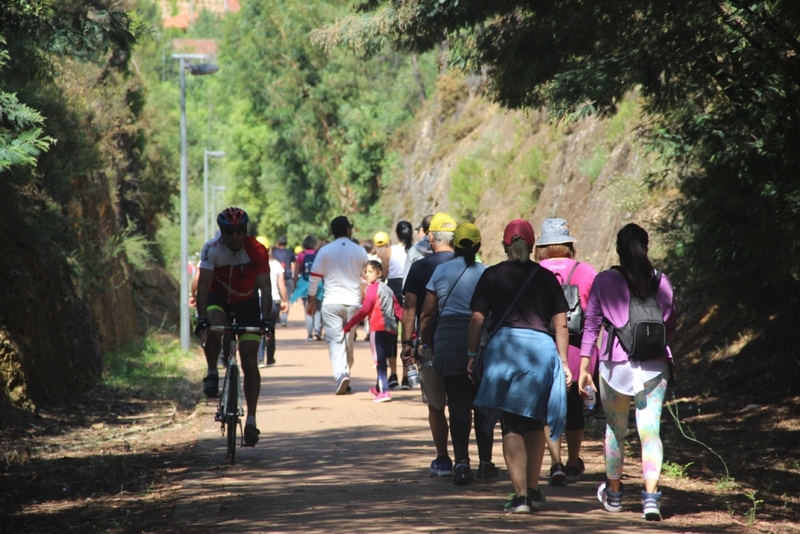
(232, 412)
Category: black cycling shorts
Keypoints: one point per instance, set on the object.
(247, 312)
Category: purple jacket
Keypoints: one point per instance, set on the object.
(610, 299)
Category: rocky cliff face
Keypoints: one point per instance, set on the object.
(59, 314)
(48, 339)
(589, 172)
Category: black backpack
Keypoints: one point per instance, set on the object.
(308, 261)
(644, 336)
(575, 315)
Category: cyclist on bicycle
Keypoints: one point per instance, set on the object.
(233, 267)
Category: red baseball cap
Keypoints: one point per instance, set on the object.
(519, 227)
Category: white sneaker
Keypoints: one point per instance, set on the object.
(341, 385)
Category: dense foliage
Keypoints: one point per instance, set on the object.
(70, 164)
(307, 135)
(720, 84)
(310, 132)
(65, 89)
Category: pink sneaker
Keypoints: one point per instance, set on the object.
(382, 397)
(374, 392)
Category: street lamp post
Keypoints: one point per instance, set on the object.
(207, 154)
(205, 68)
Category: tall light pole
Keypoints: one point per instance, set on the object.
(206, 68)
(207, 154)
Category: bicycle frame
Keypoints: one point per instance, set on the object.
(230, 410)
(231, 370)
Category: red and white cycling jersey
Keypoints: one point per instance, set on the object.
(235, 273)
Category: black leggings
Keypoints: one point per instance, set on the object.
(460, 394)
(273, 318)
(575, 409)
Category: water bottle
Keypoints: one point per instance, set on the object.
(413, 375)
(427, 355)
(588, 402)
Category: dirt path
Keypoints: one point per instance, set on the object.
(330, 463)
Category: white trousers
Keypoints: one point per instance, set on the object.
(340, 346)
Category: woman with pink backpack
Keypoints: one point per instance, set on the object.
(555, 251)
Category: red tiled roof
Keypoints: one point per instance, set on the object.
(181, 20)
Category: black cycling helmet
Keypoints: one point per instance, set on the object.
(232, 216)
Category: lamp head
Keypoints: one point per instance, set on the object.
(203, 68)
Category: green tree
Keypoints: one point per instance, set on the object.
(21, 138)
(41, 41)
(316, 126)
(720, 86)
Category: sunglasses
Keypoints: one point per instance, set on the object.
(231, 231)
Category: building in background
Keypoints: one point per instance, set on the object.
(181, 13)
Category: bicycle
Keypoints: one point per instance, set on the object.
(229, 410)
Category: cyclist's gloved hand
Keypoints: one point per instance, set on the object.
(266, 326)
(202, 327)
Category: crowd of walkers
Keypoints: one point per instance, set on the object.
(521, 343)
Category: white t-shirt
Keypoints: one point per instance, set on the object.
(397, 262)
(340, 264)
(275, 270)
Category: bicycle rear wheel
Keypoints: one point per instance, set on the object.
(232, 412)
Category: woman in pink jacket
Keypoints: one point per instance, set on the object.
(555, 251)
(624, 379)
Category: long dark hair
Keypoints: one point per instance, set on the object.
(632, 241)
(404, 233)
(468, 253)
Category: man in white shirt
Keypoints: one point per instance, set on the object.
(340, 264)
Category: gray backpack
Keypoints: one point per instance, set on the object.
(575, 315)
(644, 336)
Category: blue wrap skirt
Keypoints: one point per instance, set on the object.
(523, 375)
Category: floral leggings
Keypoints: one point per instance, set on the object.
(648, 422)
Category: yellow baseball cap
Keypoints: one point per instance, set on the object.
(298, 249)
(442, 222)
(380, 239)
(466, 232)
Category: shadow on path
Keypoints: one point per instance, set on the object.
(329, 463)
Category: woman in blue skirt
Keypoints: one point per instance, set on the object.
(526, 374)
